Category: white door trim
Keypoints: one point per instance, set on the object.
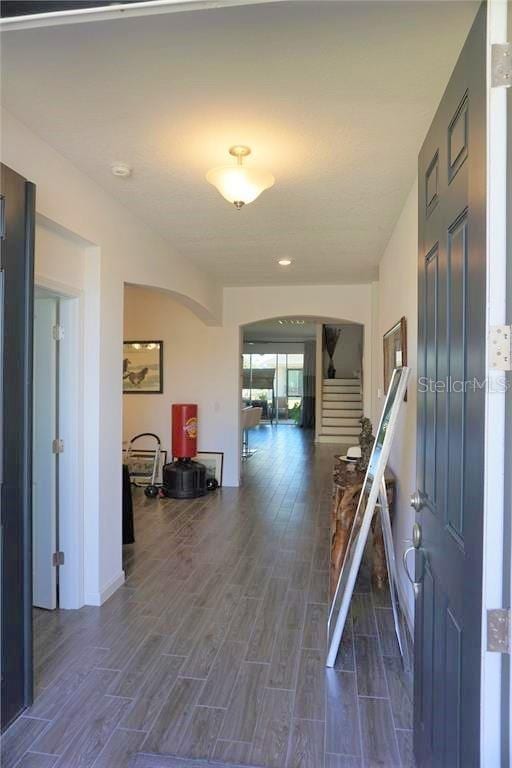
(44, 461)
(71, 462)
(494, 509)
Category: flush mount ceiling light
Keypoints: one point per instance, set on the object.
(284, 262)
(240, 184)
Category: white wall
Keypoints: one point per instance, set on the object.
(202, 364)
(59, 256)
(117, 248)
(196, 370)
(120, 248)
(324, 302)
(397, 297)
(348, 354)
(62, 265)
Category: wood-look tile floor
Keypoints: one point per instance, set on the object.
(214, 649)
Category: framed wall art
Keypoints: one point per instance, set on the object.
(143, 367)
(395, 350)
(214, 463)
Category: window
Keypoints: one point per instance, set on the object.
(295, 378)
(274, 382)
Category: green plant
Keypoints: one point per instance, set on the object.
(295, 413)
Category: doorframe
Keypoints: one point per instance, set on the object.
(495, 512)
(71, 474)
(507, 539)
(44, 461)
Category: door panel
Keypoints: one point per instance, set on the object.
(17, 262)
(44, 530)
(451, 361)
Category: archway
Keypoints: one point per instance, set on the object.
(284, 377)
(198, 309)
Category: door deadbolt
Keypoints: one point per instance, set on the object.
(418, 500)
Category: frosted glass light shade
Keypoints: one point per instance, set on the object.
(240, 184)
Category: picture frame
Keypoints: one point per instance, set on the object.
(395, 350)
(143, 367)
(214, 463)
(141, 465)
(370, 492)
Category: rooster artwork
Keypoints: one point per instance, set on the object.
(142, 367)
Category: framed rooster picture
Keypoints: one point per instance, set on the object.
(143, 367)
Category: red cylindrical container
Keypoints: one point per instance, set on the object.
(184, 430)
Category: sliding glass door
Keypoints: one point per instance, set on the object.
(274, 382)
(295, 387)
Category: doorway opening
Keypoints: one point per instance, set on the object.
(274, 382)
(57, 511)
(302, 372)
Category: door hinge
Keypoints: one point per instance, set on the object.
(500, 347)
(57, 332)
(501, 63)
(58, 445)
(499, 636)
(57, 559)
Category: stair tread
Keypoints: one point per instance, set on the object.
(335, 397)
(351, 413)
(339, 405)
(339, 423)
(337, 439)
(339, 431)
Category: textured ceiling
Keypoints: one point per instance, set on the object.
(287, 328)
(272, 330)
(333, 97)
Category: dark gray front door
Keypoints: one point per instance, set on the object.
(16, 308)
(451, 364)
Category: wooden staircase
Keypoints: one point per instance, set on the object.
(342, 407)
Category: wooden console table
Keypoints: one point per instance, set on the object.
(347, 485)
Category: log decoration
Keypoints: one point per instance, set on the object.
(342, 518)
(366, 441)
(347, 486)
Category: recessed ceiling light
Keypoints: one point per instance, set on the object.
(284, 262)
(121, 169)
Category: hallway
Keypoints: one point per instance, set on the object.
(214, 649)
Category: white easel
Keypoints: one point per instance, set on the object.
(389, 549)
(377, 500)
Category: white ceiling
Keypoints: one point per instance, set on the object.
(272, 330)
(333, 97)
(287, 328)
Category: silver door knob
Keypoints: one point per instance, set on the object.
(418, 500)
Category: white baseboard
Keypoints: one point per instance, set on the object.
(98, 598)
